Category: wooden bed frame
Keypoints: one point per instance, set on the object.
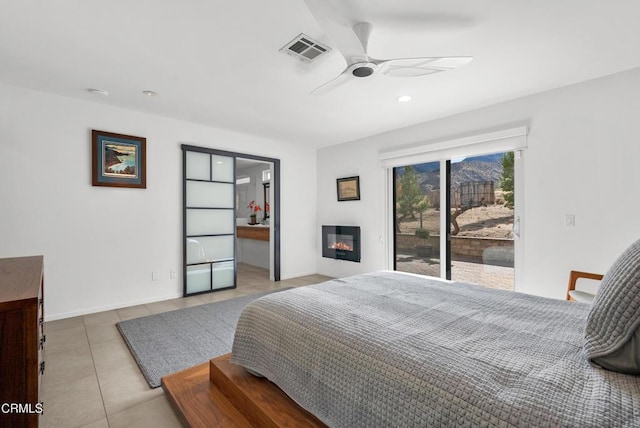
(222, 394)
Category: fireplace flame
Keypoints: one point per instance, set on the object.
(341, 246)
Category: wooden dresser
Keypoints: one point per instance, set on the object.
(21, 340)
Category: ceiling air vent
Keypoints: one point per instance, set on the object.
(305, 48)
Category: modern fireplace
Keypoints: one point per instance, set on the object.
(341, 242)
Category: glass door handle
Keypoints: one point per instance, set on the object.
(516, 226)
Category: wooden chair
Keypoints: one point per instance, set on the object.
(578, 295)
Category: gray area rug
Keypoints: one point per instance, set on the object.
(172, 341)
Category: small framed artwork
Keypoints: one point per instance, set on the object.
(349, 189)
(118, 160)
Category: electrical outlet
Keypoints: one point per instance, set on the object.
(172, 274)
(155, 276)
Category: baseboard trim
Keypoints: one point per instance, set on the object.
(88, 311)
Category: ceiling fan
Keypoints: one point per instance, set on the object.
(352, 41)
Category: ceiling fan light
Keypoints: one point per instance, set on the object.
(363, 71)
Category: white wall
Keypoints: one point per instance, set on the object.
(583, 159)
(101, 244)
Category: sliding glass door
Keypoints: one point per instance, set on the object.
(475, 213)
(209, 222)
(417, 219)
(482, 216)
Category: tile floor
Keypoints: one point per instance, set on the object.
(91, 379)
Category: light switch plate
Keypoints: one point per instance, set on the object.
(569, 220)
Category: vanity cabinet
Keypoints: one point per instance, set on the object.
(258, 233)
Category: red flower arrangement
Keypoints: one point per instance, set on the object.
(255, 208)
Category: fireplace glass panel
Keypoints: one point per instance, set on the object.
(341, 242)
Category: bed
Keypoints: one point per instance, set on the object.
(389, 349)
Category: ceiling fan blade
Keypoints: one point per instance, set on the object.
(339, 80)
(339, 29)
(412, 67)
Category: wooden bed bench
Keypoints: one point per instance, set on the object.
(222, 394)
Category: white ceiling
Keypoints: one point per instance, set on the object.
(218, 62)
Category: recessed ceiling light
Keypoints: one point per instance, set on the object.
(98, 91)
(404, 98)
(150, 93)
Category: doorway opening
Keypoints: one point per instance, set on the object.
(253, 222)
(211, 210)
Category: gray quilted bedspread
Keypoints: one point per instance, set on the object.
(396, 350)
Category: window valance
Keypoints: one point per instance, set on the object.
(492, 142)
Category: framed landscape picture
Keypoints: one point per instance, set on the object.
(118, 160)
(349, 189)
